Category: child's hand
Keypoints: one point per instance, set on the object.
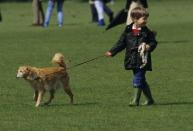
(109, 54)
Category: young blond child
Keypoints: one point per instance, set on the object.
(135, 34)
(131, 4)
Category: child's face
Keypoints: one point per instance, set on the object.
(141, 21)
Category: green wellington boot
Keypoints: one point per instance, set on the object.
(147, 92)
(136, 97)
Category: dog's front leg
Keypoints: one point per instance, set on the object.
(40, 95)
(35, 97)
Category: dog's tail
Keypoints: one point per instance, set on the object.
(58, 59)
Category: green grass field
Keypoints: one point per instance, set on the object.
(102, 88)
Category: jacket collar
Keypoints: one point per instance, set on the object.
(143, 30)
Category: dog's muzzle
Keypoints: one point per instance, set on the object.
(19, 75)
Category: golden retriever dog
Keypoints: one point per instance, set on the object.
(47, 79)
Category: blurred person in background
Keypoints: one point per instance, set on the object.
(0, 16)
(101, 7)
(38, 13)
(107, 10)
(60, 15)
(94, 15)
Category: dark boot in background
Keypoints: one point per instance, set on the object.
(0, 17)
(147, 92)
(136, 97)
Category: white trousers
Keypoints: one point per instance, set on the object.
(99, 7)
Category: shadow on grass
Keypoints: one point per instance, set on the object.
(76, 104)
(174, 103)
(72, 24)
(174, 42)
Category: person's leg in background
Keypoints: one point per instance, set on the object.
(49, 12)
(109, 12)
(60, 12)
(0, 16)
(41, 12)
(35, 12)
(99, 7)
(94, 13)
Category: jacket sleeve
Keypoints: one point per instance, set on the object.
(120, 45)
(151, 41)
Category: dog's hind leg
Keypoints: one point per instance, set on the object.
(52, 92)
(40, 95)
(69, 92)
(67, 89)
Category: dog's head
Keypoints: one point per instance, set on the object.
(26, 73)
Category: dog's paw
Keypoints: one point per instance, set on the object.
(37, 105)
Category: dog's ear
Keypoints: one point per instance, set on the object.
(31, 75)
(27, 69)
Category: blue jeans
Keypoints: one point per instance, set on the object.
(139, 79)
(51, 4)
